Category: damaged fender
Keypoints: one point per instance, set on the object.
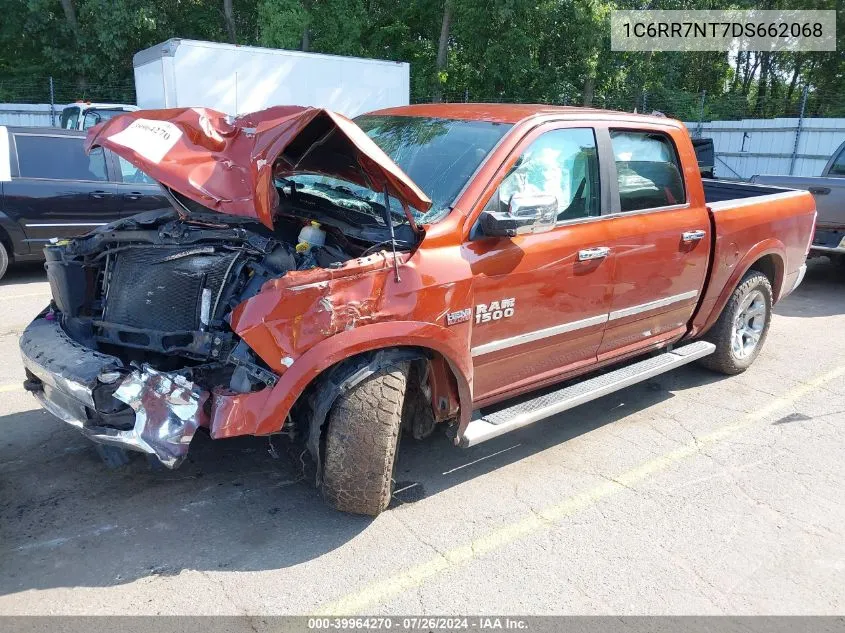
(307, 321)
(264, 412)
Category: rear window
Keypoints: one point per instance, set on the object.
(648, 170)
(58, 158)
(838, 166)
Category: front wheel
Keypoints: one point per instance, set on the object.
(361, 442)
(741, 330)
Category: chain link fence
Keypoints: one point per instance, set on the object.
(793, 131)
(687, 106)
(61, 91)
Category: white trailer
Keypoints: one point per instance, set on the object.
(238, 79)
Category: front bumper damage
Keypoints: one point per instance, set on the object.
(135, 408)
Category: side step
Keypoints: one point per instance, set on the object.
(519, 415)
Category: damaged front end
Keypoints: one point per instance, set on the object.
(137, 336)
(146, 339)
(164, 410)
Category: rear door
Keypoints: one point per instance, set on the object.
(541, 300)
(56, 190)
(659, 234)
(135, 191)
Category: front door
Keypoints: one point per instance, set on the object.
(56, 189)
(660, 238)
(542, 299)
(136, 192)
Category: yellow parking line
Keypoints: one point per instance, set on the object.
(545, 518)
(8, 388)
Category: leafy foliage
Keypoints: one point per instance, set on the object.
(555, 51)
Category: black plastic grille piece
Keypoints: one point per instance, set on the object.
(161, 288)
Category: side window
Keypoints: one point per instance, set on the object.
(70, 118)
(130, 173)
(91, 119)
(563, 163)
(648, 170)
(838, 166)
(58, 158)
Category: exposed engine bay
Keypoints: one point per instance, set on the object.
(285, 227)
(158, 290)
(139, 333)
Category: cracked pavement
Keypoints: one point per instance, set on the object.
(688, 494)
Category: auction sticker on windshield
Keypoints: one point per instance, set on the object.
(149, 139)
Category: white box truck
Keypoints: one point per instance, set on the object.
(238, 79)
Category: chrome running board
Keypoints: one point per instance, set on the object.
(508, 419)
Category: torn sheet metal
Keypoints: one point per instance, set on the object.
(228, 165)
(294, 312)
(168, 410)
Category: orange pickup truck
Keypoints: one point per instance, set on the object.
(343, 282)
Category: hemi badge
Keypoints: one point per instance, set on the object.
(460, 316)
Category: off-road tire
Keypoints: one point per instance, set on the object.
(361, 442)
(724, 360)
(4, 260)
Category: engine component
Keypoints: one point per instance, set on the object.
(162, 288)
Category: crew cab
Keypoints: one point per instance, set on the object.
(49, 188)
(344, 282)
(829, 192)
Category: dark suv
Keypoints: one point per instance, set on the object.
(50, 188)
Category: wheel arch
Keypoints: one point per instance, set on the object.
(772, 266)
(321, 394)
(264, 412)
(12, 236)
(767, 257)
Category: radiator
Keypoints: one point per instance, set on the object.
(161, 288)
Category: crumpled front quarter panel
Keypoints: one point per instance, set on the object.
(293, 313)
(306, 321)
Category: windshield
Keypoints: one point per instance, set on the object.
(439, 155)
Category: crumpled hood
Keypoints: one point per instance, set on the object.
(228, 164)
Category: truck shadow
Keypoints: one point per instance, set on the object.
(66, 520)
(820, 294)
(22, 274)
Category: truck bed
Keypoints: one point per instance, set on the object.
(751, 221)
(724, 191)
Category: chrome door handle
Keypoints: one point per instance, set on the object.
(600, 252)
(693, 236)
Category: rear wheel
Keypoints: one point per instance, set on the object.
(361, 442)
(741, 330)
(4, 260)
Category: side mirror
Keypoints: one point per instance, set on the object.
(527, 213)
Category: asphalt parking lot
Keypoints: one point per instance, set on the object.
(690, 493)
